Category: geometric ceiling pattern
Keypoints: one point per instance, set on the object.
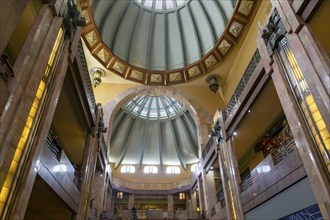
(159, 42)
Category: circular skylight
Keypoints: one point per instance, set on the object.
(161, 4)
(154, 107)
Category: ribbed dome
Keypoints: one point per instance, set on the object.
(154, 130)
(163, 42)
(158, 34)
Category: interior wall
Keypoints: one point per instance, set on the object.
(292, 199)
(320, 25)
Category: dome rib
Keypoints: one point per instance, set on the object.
(127, 140)
(119, 28)
(145, 135)
(133, 34)
(209, 24)
(175, 138)
(149, 40)
(180, 39)
(197, 39)
(104, 22)
(160, 139)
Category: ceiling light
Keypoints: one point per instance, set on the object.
(213, 80)
(96, 74)
(235, 133)
(249, 110)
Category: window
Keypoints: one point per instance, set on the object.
(150, 169)
(173, 170)
(127, 169)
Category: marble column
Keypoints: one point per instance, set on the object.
(201, 194)
(210, 193)
(130, 201)
(229, 174)
(98, 189)
(170, 207)
(88, 168)
(314, 65)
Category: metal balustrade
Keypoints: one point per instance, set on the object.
(246, 182)
(221, 198)
(208, 147)
(53, 144)
(242, 83)
(6, 71)
(280, 153)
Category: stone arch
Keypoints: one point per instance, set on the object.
(202, 118)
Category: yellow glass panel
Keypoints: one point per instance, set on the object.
(320, 125)
(25, 132)
(21, 143)
(29, 122)
(317, 116)
(35, 102)
(18, 154)
(39, 93)
(33, 112)
(13, 167)
(4, 194)
(309, 99)
(313, 107)
(42, 85)
(9, 180)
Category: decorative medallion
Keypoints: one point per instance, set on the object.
(245, 7)
(175, 77)
(235, 29)
(137, 75)
(119, 67)
(91, 38)
(210, 61)
(194, 71)
(103, 55)
(224, 46)
(155, 78)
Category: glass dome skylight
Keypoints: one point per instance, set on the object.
(161, 4)
(154, 107)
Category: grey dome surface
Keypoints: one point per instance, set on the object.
(154, 130)
(161, 34)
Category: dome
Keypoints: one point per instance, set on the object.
(153, 130)
(163, 42)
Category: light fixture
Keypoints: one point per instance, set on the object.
(119, 195)
(182, 196)
(235, 133)
(96, 74)
(213, 80)
(249, 110)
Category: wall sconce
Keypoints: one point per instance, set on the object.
(96, 74)
(213, 80)
(182, 196)
(119, 195)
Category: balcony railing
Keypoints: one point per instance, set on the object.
(221, 198)
(53, 144)
(280, 153)
(276, 157)
(246, 182)
(208, 147)
(242, 83)
(6, 71)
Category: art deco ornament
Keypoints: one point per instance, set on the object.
(96, 75)
(213, 81)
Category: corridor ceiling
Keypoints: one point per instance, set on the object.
(153, 130)
(163, 42)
